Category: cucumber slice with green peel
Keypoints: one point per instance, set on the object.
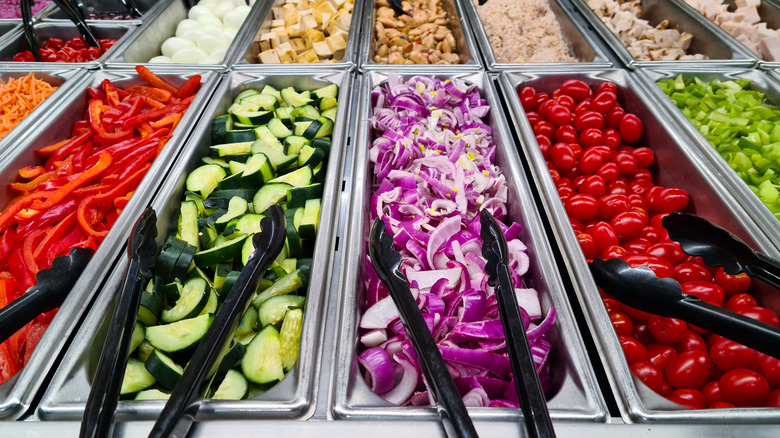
(252, 117)
(237, 166)
(233, 387)
(178, 335)
(293, 241)
(231, 359)
(326, 129)
(228, 149)
(262, 101)
(331, 90)
(185, 261)
(294, 143)
(249, 223)
(139, 334)
(285, 285)
(219, 127)
(306, 111)
(262, 362)
(249, 322)
(322, 143)
(318, 174)
(278, 128)
(152, 394)
(298, 217)
(330, 113)
(258, 171)
(246, 93)
(308, 128)
(149, 309)
(230, 183)
(265, 135)
(136, 377)
(188, 223)
(290, 338)
(208, 235)
(237, 206)
(220, 253)
(273, 92)
(240, 135)
(273, 310)
(297, 178)
(205, 178)
(245, 339)
(194, 197)
(215, 161)
(145, 350)
(163, 369)
(277, 158)
(294, 98)
(297, 196)
(327, 103)
(268, 195)
(311, 219)
(213, 202)
(166, 261)
(230, 281)
(211, 305)
(289, 265)
(310, 157)
(247, 250)
(193, 299)
(246, 194)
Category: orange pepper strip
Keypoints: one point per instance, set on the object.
(121, 203)
(155, 80)
(103, 163)
(92, 190)
(17, 205)
(59, 231)
(52, 148)
(31, 172)
(154, 104)
(167, 120)
(26, 187)
(81, 214)
(123, 187)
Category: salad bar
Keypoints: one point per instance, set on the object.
(224, 216)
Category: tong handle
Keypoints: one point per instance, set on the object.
(529, 389)
(27, 25)
(767, 269)
(78, 20)
(132, 8)
(24, 309)
(755, 334)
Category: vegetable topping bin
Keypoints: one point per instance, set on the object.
(572, 392)
(17, 394)
(676, 166)
(292, 397)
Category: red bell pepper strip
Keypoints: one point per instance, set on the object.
(52, 148)
(86, 222)
(17, 205)
(96, 93)
(7, 241)
(157, 94)
(123, 187)
(103, 163)
(23, 276)
(153, 115)
(189, 87)
(112, 95)
(170, 119)
(155, 80)
(134, 161)
(118, 149)
(31, 172)
(60, 153)
(79, 128)
(30, 185)
(49, 217)
(154, 104)
(75, 236)
(60, 230)
(94, 189)
(27, 249)
(8, 366)
(135, 108)
(121, 203)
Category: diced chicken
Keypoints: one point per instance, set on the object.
(751, 15)
(770, 48)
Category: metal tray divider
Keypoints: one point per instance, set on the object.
(367, 64)
(740, 57)
(631, 395)
(157, 25)
(18, 35)
(601, 59)
(349, 62)
(65, 398)
(371, 406)
(710, 158)
(17, 394)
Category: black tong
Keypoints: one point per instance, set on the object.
(27, 25)
(180, 410)
(76, 17)
(529, 390)
(51, 288)
(386, 261)
(104, 396)
(640, 288)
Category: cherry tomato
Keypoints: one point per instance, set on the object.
(689, 397)
(667, 330)
(705, 290)
(628, 224)
(728, 355)
(669, 200)
(591, 137)
(691, 341)
(732, 284)
(593, 185)
(661, 355)
(604, 235)
(540, 98)
(689, 370)
(626, 162)
(544, 108)
(770, 368)
(687, 271)
(566, 134)
(637, 201)
(565, 192)
(720, 405)
(760, 313)
(640, 187)
(558, 114)
(603, 101)
(633, 349)
(641, 174)
(637, 245)
(576, 225)
(644, 156)
(566, 101)
(577, 89)
(612, 305)
(617, 187)
(588, 245)
(611, 205)
(574, 172)
(589, 119)
(630, 128)
(622, 323)
(562, 156)
(773, 401)
(609, 171)
(711, 392)
(614, 116)
(642, 332)
(649, 375)
(659, 266)
(544, 145)
(614, 252)
(743, 387)
(591, 160)
(740, 300)
(612, 138)
(607, 86)
(533, 118)
(543, 127)
(582, 107)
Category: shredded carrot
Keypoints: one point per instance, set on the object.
(19, 97)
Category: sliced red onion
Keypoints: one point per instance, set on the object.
(401, 393)
(379, 369)
(374, 338)
(477, 398)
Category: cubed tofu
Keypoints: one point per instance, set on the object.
(326, 7)
(277, 23)
(305, 12)
(308, 56)
(325, 19)
(297, 44)
(314, 35)
(285, 52)
(322, 49)
(337, 46)
(290, 19)
(268, 40)
(269, 57)
(340, 33)
(277, 13)
(294, 31)
(283, 38)
(308, 22)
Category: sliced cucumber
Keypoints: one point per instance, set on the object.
(139, 334)
(260, 101)
(262, 362)
(252, 118)
(295, 99)
(273, 310)
(152, 394)
(285, 285)
(163, 369)
(205, 178)
(331, 90)
(228, 149)
(179, 335)
(278, 129)
(297, 196)
(310, 156)
(219, 127)
(311, 219)
(258, 171)
(290, 338)
(294, 143)
(236, 207)
(136, 377)
(211, 305)
(220, 253)
(188, 223)
(249, 322)
(297, 178)
(233, 387)
(240, 135)
(150, 308)
(194, 297)
(268, 195)
(249, 223)
(145, 350)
